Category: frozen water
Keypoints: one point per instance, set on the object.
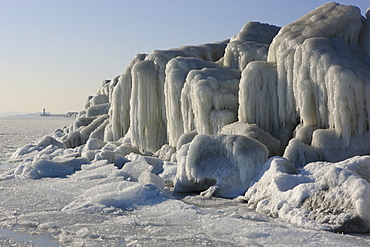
(221, 165)
(209, 99)
(112, 212)
(320, 196)
(129, 170)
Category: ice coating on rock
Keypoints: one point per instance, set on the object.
(317, 60)
(300, 63)
(151, 73)
(220, 165)
(148, 130)
(334, 91)
(239, 53)
(257, 32)
(329, 20)
(251, 44)
(260, 108)
(176, 71)
(254, 132)
(310, 98)
(121, 95)
(210, 99)
(322, 195)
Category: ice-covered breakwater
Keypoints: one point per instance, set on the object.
(208, 118)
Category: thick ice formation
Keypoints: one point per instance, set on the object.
(330, 196)
(219, 165)
(251, 44)
(210, 99)
(147, 126)
(314, 69)
(260, 108)
(322, 76)
(120, 118)
(147, 89)
(309, 100)
(256, 32)
(239, 53)
(254, 132)
(176, 71)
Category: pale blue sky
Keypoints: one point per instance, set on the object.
(54, 53)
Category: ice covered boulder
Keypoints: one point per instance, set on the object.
(148, 130)
(209, 99)
(251, 44)
(186, 138)
(300, 153)
(120, 118)
(258, 100)
(332, 147)
(80, 122)
(239, 53)
(257, 32)
(97, 110)
(84, 128)
(48, 140)
(219, 165)
(148, 110)
(125, 149)
(313, 144)
(254, 132)
(328, 196)
(57, 167)
(176, 71)
(93, 127)
(166, 152)
(321, 76)
(99, 100)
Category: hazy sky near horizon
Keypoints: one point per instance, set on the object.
(53, 53)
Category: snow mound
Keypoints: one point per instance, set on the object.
(222, 165)
(58, 167)
(328, 196)
(254, 132)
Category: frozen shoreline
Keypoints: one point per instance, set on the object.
(275, 118)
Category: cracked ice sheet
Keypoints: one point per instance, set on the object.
(40, 206)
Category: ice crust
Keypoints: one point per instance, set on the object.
(204, 119)
(329, 196)
(220, 165)
(177, 70)
(210, 99)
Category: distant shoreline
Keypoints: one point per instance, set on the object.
(37, 115)
(67, 115)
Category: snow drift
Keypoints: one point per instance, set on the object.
(329, 196)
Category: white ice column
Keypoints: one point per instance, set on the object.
(148, 130)
(176, 72)
(328, 20)
(209, 99)
(258, 100)
(120, 109)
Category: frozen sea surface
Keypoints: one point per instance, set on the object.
(96, 207)
(16, 132)
(38, 206)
